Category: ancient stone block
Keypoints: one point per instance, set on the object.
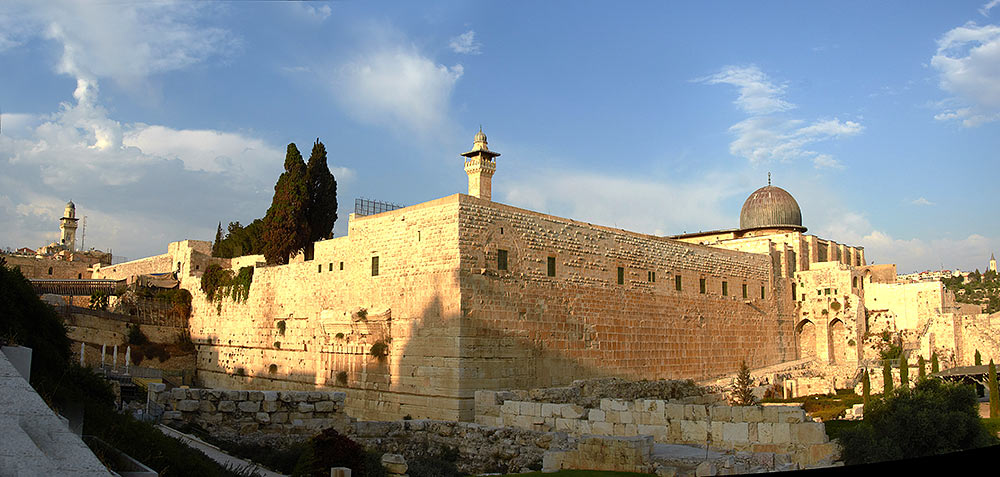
(572, 411)
(171, 415)
(597, 415)
(753, 414)
(716, 431)
(263, 417)
(270, 396)
(735, 432)
(306, 407)
(188, 405)
(325, 406)
(510, 407)
(279, 417)
(249, 406)
(227, 406)
(255, 396)
(394, 463)
(531, 409)
(178, 394)
(269, 406)
(765, 432)
(694, 431)
(720, 413)
(206, 406)
(782, 433)
(809, 433)
(791, 415)
(602, 428)
(674, 411)
(695, 412)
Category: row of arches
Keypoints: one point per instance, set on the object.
(807, 332)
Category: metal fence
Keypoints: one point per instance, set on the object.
(372, 207)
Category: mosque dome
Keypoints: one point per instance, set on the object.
(771, 207)
(480, 137)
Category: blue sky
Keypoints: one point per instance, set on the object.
(161, 119)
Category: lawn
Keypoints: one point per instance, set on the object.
(825, 407)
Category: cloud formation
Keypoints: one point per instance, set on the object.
(921, 201)
(968, 63)
(466, 44)
(766, 136)
(397, 87)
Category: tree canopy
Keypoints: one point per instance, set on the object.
(286, 227)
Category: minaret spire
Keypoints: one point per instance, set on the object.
(769, 178)
(480, 166)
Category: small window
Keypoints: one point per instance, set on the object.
(341, 265)
(319, 268)
(79, 276)
(621, 275)
(501, 259)
(552, 266)
(272, 369)
(826, 291)
(652, 276)
(744, 291)
(761, 292)
(794, 294)
(50, 270)
(701, 285)
(677, 282)
(374, 266)
(501, 230)
(803, 297)
(725, 288)
(854, 282)
(331, 267)
(197, 267)
(819, 292)
(834, 291)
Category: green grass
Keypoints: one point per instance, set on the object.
(992, 425)
(825, 407)
(835, 427)
(585, 473)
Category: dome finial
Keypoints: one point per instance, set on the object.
(768, 178)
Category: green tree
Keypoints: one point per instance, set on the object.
(904, 373)
(886, 376)
(743, 387)
(979, 358)
(322, 208)
(218, 241)
(286, 229)
(935, 417)
(994, 393)
(934, 363)
(866, 388)
(922, 372)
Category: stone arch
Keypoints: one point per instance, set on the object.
(805, 336)
(837, 341)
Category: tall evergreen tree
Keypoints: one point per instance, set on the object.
(886, 376)
(922, 365)
(904, 373)
(322, 207)
(979, 358)
(994, 393)
(866, 388)
(286, 228)
(934, 363)
(743, 387)
(218, 241)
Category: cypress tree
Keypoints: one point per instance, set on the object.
(286, 229)
(322, 207)
(866, 388)
(934, 363)
(979, 358)
(886, 376)
(922, 372)
(218, 240)
(994, 393)
(904, 373)
(743, 388)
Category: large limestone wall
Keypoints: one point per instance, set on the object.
(524, 329)
(412, 304)
(32, 267)
(831, 313)
(912, 303)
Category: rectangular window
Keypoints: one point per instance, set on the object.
(761, 292)
(826, 291)
(552, 266)
(319, 268)
(374, 266)
(501, 259)
(793, 292)
(701, 285)
(621, 275)
(677, 282)
(819, 292)
(331, 267)
(341, 265)
(803, 297)
(652, 276)
(725, 288)
(744, 291)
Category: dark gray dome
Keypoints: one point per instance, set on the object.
(770, 207)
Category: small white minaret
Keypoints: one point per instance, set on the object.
(993, 264)
(67, 226)
(480, 166)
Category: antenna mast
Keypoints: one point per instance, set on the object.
(83, 238)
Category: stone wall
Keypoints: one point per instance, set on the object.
(774, 429)
(32, 267)
(231, 414)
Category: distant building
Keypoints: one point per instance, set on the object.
(59, 259)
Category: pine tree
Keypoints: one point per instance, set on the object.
(904, 373)
(934, 363)
(218, 241)
(979, 358)
(922, 372)
(886, 376)
(286, 229)
(743, 388)
(994, 393)
(866, 388)
(322, 208)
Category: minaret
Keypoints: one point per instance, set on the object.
(993, 264)
(67, 225)
(480, 166)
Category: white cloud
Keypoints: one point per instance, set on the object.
(466, 43)
(758, 95)
(203, 150)
(397, 87)
(985, 10)
(921, 201)
(968, 61)
(311, 12)
(766, 136)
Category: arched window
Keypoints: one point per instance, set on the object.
(273, 369)
(50, 270)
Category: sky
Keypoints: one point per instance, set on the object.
(161, 119)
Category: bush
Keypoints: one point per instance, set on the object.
(331, 449)
(281, 327)
(342, 378)
(99, 300)
(743, 388)
(439, 464)
(932, 418)
(136, 336)
(379, 349)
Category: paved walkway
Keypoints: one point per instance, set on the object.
(217, 454)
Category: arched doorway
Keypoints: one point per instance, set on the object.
(837, 339)
(805, 336)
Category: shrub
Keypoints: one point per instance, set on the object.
(281, 327)
(99, 300)
(935, 367)
(835, 305)
(904, 373)
(241, 372)
(342, 378)
(136, 336)
(886, 377)
(215, 278)
(379, 349)
(994, 394)
(331, 449)
(340, 336)
(934, 417)
(277, 345)
(241, 284)
(742, 394)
